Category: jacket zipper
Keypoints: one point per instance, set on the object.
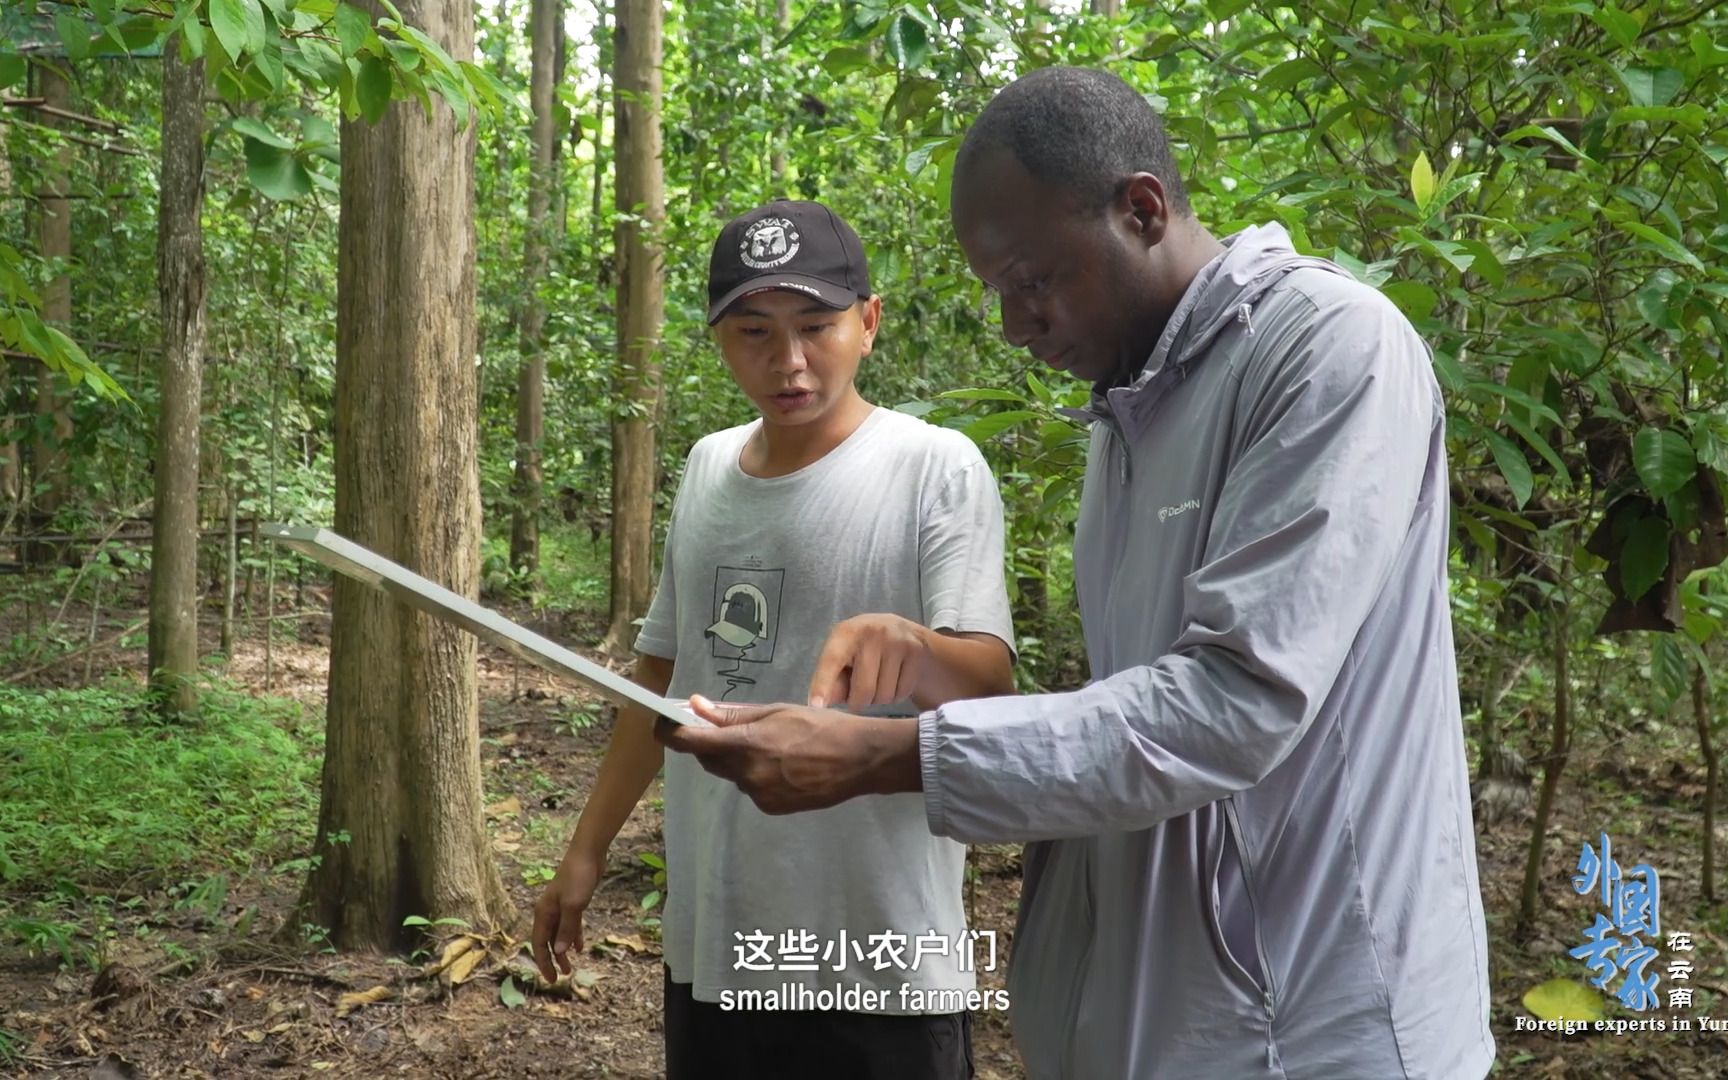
(1269, 991)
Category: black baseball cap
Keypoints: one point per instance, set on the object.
(802, 246)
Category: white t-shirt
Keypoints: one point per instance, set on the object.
(903, 518)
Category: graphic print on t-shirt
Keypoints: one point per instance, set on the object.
(746, 622)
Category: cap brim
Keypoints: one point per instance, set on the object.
(736, 636)
(838, 297)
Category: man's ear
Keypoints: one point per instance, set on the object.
(870, 311)
(1145, 207)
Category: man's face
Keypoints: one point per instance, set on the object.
(794, 357)
(1073, 281)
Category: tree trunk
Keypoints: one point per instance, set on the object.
(1559, 747)
(600, 75)
(173, 639)
(777, 160)
(54, 242)
(641, 202)
(9, 484)
(400, 828)
(1701, 717)
(546, 30)
(1106, 7)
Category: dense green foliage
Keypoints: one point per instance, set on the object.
(100, 797)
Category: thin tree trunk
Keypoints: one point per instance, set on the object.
(1106, 7)
(48, 460)
(400, 828)
(1701, 717)
(9, 484)
(230, 553)
(1559, 748)
(173, 638)
(777, 161)
(600, 75)
(546, 30)
(641, 203)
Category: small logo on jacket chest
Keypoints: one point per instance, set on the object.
(1165, 513)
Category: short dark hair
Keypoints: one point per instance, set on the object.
(1078, 129)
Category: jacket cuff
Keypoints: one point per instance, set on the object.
(935, 811)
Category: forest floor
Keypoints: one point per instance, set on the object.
(179, 991)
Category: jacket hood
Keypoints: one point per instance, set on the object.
(1223, 292)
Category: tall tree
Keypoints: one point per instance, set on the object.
(640, 194)
(48, 460)
(546, 33)
(8, 445)
(173, 645)
(400, 827)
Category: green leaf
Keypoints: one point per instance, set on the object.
(1621, 27)
(843, 60)
(1687, 117)
(12, 69)
(1662, 242)
(255, 129)
(1413, 298)
(510, 995)
(239, 26)
(373, 89)
(649, 899)
(1540, 445)
(1285, 75)
(275, 172)
(74, 35)
(1563, 999)
(919, 158)
(1449, 371)
(1653, 300)
(988, 427)
(1664, 460)
(984, 393)
(321, 60)
(1512, 466)
(1644, 557)
(353, 27)
(907, 42)
(1517, 396)
(1422, 181)
(1651, 86)
(1545, 132)
(1709, 53)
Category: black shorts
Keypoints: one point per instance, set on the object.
(704, 1042)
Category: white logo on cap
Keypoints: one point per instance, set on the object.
(769, 243)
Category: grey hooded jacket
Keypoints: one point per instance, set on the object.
(1254, 851)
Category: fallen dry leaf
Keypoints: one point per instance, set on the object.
(457, 973)
(452, 950)
(252, 1036)
(634, 942)
(347, 1003)
(507, 843)
(511, 807)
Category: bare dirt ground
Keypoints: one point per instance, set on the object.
(234, 1003)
